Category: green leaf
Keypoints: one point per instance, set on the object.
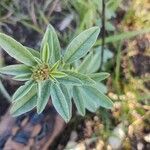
(51, 38)
(81, 44)
(43, 95)
(55, 66)
(69, 80)
(38, 60)
(20, 104)
(68, 98)
(23, 77)
(34, 52)
(84, 65)
(94, 63)
(4, 91)
(99, 76)
(15, 69)
(16, 50)
(89, 103)
(45, 53)
(79, 100)
(83, 78)
(58, 74)
(29, 105)
(101, 87)
(23, 90)
(98, 97)
(59, 101)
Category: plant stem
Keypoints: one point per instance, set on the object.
(117, 69)
(4, 91)
(103, 33)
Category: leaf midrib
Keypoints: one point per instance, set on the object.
(81, 45)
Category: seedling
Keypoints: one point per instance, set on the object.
(48, 73)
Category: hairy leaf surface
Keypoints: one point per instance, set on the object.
(59, 101)
(23, 90)
(83, 78)
(16, 50)
(81, 44)
(15, 69)
(51, 38)
(69, 80)
(79, 100)
(43, 95)
(97, 96)
(23, 77)
(45, 53)
(68, 98)
(29, 105)
(19, 104)
(99, 76)
(85, 64)
(34, 52)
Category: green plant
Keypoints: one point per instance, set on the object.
(89, 13)
(49, 73)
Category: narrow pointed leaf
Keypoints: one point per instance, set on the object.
(38, 60)
(43, 95)
(29, 105)
(19, 104)
(15, 69)
(98, 97)
(51, 38)
(46, 53)
(83, 78)
(23, 77)
(16, 50)
(94, 63)
(58, 74)
(69, 80)
(79, 100)
(68, 98)
(84, 65)
(55, 66)
(23, 90)
(101, 87)
(90, 103)
(59, 101)
(99, 76)
(81, 44)
(34, 52)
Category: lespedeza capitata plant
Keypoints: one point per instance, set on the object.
(48, 73)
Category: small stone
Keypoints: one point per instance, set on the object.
(80, 146)
(100, 145)
(96, 118)
(73, 136)
(130, 131)
(140, 146)
(117, 137)
(147, 138)
(109, 147)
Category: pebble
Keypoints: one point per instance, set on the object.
(147, 138)
(140, 146)
(117, 137)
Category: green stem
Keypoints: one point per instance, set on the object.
(4, 91)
